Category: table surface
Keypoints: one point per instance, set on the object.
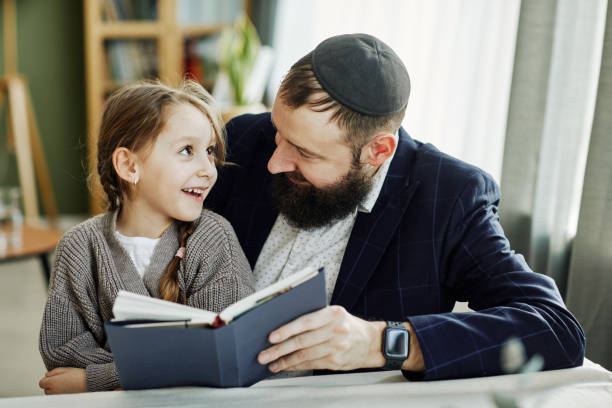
(586, 386)
(36, 240)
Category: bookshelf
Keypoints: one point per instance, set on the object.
(126, 40)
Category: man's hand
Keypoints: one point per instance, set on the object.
(64, 380)
(330, 338)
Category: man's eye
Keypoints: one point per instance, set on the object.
(304, 155)
(187, 150)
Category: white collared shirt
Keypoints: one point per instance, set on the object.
(289, 249)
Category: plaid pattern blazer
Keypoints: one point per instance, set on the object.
(432, 238)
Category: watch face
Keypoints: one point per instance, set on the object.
(396, 343)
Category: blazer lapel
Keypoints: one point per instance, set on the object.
(372, 232)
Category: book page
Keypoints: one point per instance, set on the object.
(131, 306)
(280, 287)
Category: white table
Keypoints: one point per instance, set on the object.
(586, 386)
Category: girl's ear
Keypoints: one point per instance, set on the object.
(379, 149)
(126, 165)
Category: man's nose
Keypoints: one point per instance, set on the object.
(281, 160)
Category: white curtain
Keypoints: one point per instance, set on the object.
(550, 117)
(590, 275)
(459, 55)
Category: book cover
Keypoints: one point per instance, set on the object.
(150, 356)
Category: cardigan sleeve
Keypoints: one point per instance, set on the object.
(72, 329)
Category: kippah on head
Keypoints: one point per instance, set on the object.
(362, 73)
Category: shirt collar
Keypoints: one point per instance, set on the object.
(377, 182)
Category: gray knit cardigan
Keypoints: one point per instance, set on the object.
(90, 268)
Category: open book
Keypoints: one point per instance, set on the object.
(156, 343)
(131, 306)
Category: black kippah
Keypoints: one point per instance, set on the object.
(362, 73)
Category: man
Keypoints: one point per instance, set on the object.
(330, 179)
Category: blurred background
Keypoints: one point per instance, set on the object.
(520, 88)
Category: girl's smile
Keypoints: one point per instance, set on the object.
(175, 175)
(197, 193)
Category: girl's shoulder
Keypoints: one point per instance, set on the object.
(73, 266)
(212, 228)
(86, 232)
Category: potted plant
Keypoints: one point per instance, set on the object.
(238, 50)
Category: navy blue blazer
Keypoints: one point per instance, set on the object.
(432, 238)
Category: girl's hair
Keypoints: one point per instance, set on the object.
(133, 118)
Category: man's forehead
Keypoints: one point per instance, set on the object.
(306, 124)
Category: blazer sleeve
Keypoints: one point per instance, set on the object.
(508, 299)
(71, 328)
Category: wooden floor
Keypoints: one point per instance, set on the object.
(23, 294)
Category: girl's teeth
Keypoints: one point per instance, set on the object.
(193, 191)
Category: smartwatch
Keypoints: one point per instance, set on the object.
(395, 345)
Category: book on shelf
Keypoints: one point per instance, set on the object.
(129, 60)
(118, 10)
(156, 343)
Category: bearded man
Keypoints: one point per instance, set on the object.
(330, 179)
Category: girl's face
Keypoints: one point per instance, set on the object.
(178, 172)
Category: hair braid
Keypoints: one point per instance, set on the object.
(168, 284)
(133, 118)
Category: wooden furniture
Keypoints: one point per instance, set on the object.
(37, 240)
(22, 130)
(24, 140)
(104, 24)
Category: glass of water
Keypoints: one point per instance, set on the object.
(4, 221)
(11, 218)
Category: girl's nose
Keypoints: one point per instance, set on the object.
(207, 168)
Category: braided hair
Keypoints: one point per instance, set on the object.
(133, 118)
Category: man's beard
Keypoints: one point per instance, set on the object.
(308, 207)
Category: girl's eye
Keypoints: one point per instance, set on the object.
(211, 150)
(187, 150)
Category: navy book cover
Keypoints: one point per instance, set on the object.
(154, 357)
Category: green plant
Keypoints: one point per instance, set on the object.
(238, 51)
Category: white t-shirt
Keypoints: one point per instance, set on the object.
(140, 250)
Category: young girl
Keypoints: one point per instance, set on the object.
(157, 154)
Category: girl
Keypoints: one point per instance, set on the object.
(157, 154)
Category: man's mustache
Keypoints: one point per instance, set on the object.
(296, 175)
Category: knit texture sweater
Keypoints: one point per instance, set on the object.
(91, 267)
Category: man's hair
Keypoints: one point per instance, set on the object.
(300, 87)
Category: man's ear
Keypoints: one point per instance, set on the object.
(379, 149)
(126, 165)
